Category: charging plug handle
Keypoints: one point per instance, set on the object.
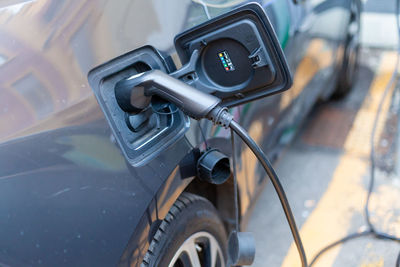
(192, 101)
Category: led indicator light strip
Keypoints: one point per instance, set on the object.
(226, 61)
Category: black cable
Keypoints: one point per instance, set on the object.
(372, 230)
(277, 185)
(338, 242)
(235, 185)
(202, 134)
(372, 154)
(281, 193)
(282, 196)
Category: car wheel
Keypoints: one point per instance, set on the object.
(350, 62)
(192, 234)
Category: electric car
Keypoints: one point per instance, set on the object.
(70, 195)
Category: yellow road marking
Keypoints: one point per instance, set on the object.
(345, 195)
(358, 140)
(379, 263)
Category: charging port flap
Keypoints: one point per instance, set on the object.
(140, 135)
(235, 56)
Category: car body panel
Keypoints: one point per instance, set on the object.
(67, 194)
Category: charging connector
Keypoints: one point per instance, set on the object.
(198, 105)
(193, 102)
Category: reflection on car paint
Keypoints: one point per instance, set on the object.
(316, 59)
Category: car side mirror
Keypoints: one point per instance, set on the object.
(236, 57)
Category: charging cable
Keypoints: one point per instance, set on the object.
(198, 105)
(277, 185)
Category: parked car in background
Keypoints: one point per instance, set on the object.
(69, 197)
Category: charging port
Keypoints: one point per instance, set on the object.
(143, 133)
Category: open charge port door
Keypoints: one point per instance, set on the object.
(140, 136)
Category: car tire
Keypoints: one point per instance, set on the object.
(192, 231)
(349, 65)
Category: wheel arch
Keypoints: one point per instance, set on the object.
(221, 196)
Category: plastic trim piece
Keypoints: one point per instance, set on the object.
(249, 26)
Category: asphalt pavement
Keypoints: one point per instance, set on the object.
(326, 170)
